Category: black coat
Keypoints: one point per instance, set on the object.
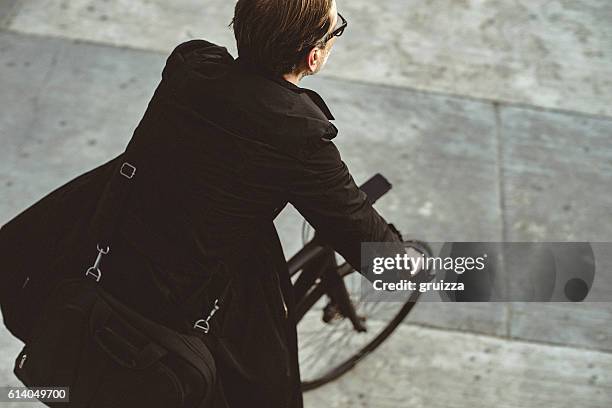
(232, 147)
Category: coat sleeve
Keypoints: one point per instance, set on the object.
(324, 192)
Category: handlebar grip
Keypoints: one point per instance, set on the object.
(376, 187)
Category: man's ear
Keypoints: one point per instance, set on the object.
(313, 59)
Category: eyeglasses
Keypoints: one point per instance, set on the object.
(337, 31)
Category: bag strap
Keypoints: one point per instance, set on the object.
(110, 212)
(112, 204)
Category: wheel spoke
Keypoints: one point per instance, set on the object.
(330, 346)
(327, 350)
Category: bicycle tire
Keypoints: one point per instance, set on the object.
(349, 363)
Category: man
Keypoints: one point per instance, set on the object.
(233, 141)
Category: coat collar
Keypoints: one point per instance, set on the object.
(315, 97)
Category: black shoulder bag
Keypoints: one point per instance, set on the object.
(108, 354)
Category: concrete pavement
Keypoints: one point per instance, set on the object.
(481, 140)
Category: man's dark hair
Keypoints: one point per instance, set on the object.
(275, 35)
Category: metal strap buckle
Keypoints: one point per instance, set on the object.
(203, 324)
(127, 170)
(95, 271)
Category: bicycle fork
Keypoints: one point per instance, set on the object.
(336, 290)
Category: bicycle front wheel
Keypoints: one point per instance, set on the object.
(329, 343)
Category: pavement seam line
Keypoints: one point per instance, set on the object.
(504, 103)
(508, 338)
(502, 205)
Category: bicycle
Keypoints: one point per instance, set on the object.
(324, 288)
